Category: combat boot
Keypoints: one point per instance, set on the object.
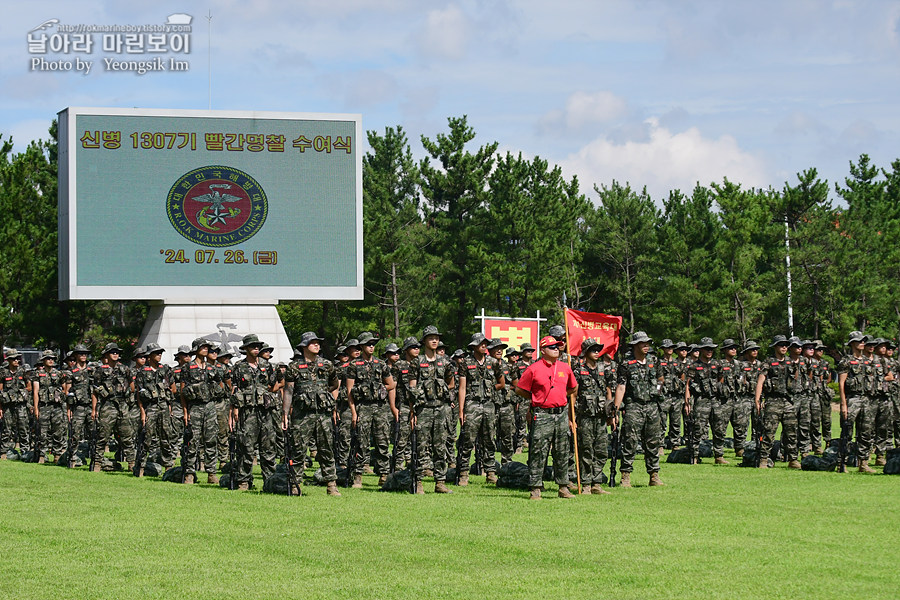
(212, 478)
(880, 460)
(368, 470)
(382, 479)
(720, 460)
(3, 456)
(42, 459)
(420, 487)
(96, 468)
(865, 468)
(189, 478)
(536, 493)
(654, 479)
(428, 473)
(597, 490)
(794, 464)
(564, 492)
(295, 490)
(357, 481)
(440, 487)
(463, 479)
(243, 486)
(626, 480)
(739, 453)
(763, 464)
(491, 477)
(332, 489)
(818, 452)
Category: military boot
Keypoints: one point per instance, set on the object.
(420, 487)
(596, 489)
(295, 490)
(764, 464)
(3, 456)
(491, 477)
(428, 473)
(880, 460)
(96, 468)
(42, 459)
(865, 468)
(794, 464)
(626, 480)
(464, 479)
(739, 453)
(654, 479)
(564, 492)
(357, 481)
(332, 489)
(440, 487)
(536, 493)
(212, 478)
(368, 470)
(189, 478)
(382, 479)
(243, 486)
(720, 460)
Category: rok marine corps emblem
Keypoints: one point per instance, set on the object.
(217, 206)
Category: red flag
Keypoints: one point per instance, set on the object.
(603, 328)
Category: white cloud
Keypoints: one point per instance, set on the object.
(583, 111)
(445, 33)
(666, 161)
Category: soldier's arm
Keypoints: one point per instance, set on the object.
(759, 388)
(501, 382)
(461, 397)
(842, 377)
(34, 397)
(620, 395)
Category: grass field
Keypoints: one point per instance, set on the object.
(712, 532)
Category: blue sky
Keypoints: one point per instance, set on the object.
(662, 94)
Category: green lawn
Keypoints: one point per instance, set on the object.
(712, 532)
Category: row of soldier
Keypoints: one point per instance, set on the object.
(348, 411)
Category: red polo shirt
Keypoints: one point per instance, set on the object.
(548, 383)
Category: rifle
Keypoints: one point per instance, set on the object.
(92, 445)
(185, 446)
(689, 421)
(459, 458)
(477, 465)
(759, 437)
(395, 440)
(289, 464)
(352, 458)
(36, 441)
(70, 442)
(843, 445)
(232, 457)
(516, 422)
(615, 452)
(413, 460)
(138, 470)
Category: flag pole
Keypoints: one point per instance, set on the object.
(572, 406)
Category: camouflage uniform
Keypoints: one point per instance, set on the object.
(808, 405)
(345, 417)
(724, 411)
(779, 408)
(672, 403)
(594, 386)
(155, 395)
(703, 381)
(745, 408)
(257, 425)
(883, 404)
(400, 371)
(312, 411)
(432, 403)
(640, 417)
(222, 398)
(53, 421)
(110, 385)
(821, 429)
(15, 401)
(79, 400)
(505, 400)
(859, 410)
(479, 411)
(197, 383)
(373, 413)
(520, 407)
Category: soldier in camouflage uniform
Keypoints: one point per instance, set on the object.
(526, 352)
(15, 393)
(505, 401)
(725, 409)
(77, 387)
(453, 438)
(110, 386)
(592, 415)
(431, 381)
(370, 388)
(49, 405)
(254, 382)
(885, 375)
(809, 408)
(773, 386)
(310, 394)
(153, 388)
(182, 360)
(672, 370)
(745, 411)
(400, 371)
(480, 376)
(197, 385)
(139, 358)
(895, 393)
(853, 382)
(344, 357)
(821, 431)
(701, 392)
(638, 385)
(221, 357)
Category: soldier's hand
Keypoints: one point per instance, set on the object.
(37, 413)
(844, 412)
(412, 420)
(187, 419)
(572, 426)
(284, 422)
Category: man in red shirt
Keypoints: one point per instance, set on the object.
(550, 386)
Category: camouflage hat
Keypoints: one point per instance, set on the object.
(477, 339)
(341, 351)
(80, 349)
(855, 336)
(430, 330)
(411, 342)
(511, 351)
(111, 347)
(890, 344)
(497, 343)
(750, 345)
(251, 339)
(557, 331)
(681, 346)
(214, 348)
(183, 349)
(526, 347)
(139, 352)
(367, 338)
(199, 343)
(820, 345)
(391, 348)
(225, 351)
(307, 338)
(154, 348)
(639, 337)
(880, 340)
(351, 343)
(728, 343)
(590, 343)
(458, 353)
(666, 343)
(778, 340)
(706, 342)
(48, 354)
(266, 347)
(795, 341)
(441, 344)
(808, 343)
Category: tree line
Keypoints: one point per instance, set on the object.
(467, 228)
